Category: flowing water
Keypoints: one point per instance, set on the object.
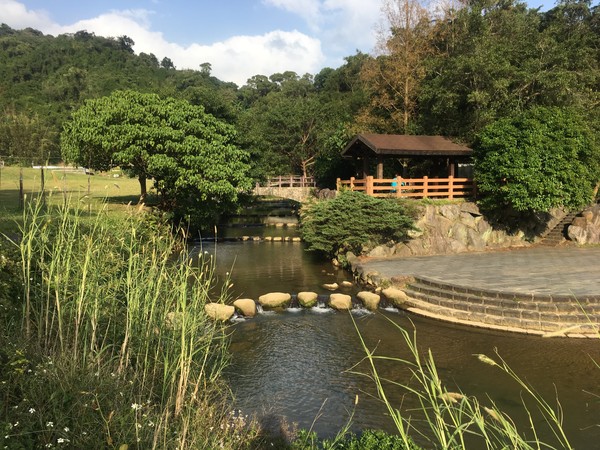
(304, 366)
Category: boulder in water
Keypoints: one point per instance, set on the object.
(275, 300)
(219, 311)
(397, 296)
(340, 301)
(331, 286)
(369, 299)
(307, 299)
(246, 306)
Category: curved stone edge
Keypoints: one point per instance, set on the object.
(422, 308)
(567, 332)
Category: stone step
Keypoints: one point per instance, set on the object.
(543, 313)
(558, 234)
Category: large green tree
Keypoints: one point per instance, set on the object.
(287, 127)
(537, 160)
(188, 153)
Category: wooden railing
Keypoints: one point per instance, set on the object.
(289, 181)
(425, 187)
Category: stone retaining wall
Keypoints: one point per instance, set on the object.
(458, 228)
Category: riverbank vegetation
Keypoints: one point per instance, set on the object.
(104, 341)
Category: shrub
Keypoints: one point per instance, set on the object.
(352, 220)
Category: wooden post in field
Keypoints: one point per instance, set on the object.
(43, 184)
(425, 186)
(451, 187)
(89, 190)
(21, 193)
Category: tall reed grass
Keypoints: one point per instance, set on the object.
(114, 349)
(446, 419)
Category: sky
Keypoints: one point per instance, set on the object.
(239, 38)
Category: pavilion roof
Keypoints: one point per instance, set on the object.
(401, 145)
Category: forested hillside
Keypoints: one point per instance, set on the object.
(451, 75)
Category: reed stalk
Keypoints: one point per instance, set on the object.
(453, 420)
(119, 305)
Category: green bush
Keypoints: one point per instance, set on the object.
(535, 161)
(352, 220)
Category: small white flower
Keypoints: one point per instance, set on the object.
(136, 406)
(31, 410)
(49, 424)
(84, 433)
(66, 429)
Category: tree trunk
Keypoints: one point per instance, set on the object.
(142, 180)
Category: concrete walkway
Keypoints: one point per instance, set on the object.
(536, 270)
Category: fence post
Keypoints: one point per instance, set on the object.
(398, 186)
(450, 187)
(370, 185)
(21, 193)
(351, 183)
(338, 184)
(425, 186)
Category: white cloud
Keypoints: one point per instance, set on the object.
(235, 59)
(17, 16)
(309, 10)
(337, 22)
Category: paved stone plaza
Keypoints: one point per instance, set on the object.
(537, 270)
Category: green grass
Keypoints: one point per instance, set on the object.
(117, 194)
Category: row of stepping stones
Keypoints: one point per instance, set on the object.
(247, 307)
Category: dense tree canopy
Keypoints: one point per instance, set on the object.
(537, 160)
(452, 73)
(189, 154)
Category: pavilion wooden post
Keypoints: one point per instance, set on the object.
(369, 185)
(365, 173)
(379, 167)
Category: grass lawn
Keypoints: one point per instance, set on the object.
(117, 190)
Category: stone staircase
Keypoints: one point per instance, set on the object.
(558, 234)
(541, 314)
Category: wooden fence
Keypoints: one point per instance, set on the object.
(289, 181)
(425, 187)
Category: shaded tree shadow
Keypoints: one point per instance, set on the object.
(531, 224)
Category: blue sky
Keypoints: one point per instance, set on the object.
(240, 38)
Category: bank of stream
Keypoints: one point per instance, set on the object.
(298, 366)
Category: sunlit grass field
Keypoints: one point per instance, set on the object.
(114, 188)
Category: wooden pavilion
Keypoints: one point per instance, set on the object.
(365, 148)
